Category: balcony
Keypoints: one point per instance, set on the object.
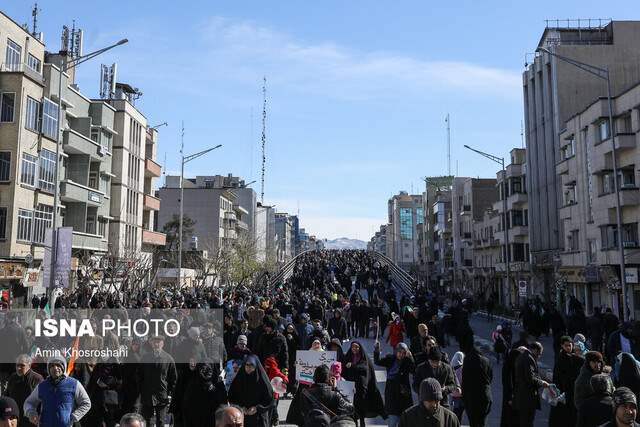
(230, 216)
(519, 231)
(242, 225)
(516, 199)
(73, 192)
(76, 143)
(562, 167)
(151, 203)
(90, 242)
(628, 197)
(23, 68)
(152, 169)
(153, 238)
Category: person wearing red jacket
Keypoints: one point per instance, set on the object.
(396, 331)
(272, 370)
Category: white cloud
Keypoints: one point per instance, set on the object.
(243, 50)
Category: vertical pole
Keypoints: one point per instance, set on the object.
(506, 228)
(181, 207)
(623, 278)
(56, 195)
(448, 145)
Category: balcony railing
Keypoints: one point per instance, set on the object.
(152, 169)
(153, 238)
(22, 68)
(151, 203)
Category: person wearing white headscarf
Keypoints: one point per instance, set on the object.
(457, 404)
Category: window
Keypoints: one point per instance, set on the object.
(25, 222)
(592, 254)
(603, 130)
(517, 185)
(50, 119)
(518, 218)
(570, 194)
(33, 63)
(42, 221)
(626, 179)
(95, 135)
(568, 150)
(7, 105)
(609, 236)
(28, 169)
(406, 224)
(3, 222)
(102, 228)
(47, 173)
(624, 124)
(5, 166)
(12, 57)
(572, 241)
(33, 113)
(419, 216)
(91, 224)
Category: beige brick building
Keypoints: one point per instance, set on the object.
(590, 262)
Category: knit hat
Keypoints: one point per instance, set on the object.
(242, 339)
(430, 390)
(622, 396)
(435, 354)
(57, 360)
(8, 408)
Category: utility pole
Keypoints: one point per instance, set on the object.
(264, 135)
(448, 121)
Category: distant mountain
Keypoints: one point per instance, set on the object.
(344, 243)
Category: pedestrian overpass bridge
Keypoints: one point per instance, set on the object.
(401, 280)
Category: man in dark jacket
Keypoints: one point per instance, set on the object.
(595, 329)
(626, 409)
(322, 395)
(21, 385)
(158, 377)
(273, 343)
(477, 377)
(528, 383)
(338, 326)
(434, 367)
(565, 373)
(429, 412)
(597, 409)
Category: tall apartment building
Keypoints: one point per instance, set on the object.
(513, 186)
(442, 273)
(219, 219)
(26, 198)
(554, 91)
(284, 237)
(470, 198)
(265, 225)
(134, 169)
(486, 255)
(378, 242)
(590, 262)
(405, 213)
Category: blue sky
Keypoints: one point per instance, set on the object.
(357, 90)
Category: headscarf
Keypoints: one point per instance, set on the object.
(251, 389)
(628, 372)
(457, 360)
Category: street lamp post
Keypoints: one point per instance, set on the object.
(603, 73)
(185, 160)
(500, 161)
(64, 66)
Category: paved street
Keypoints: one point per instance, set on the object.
(482, 329)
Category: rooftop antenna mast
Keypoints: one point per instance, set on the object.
(448, 144)
(34, 13)
(264, 135)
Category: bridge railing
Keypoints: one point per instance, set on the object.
(286, 271)
(401, 278)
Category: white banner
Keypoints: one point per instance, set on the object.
(307, 361)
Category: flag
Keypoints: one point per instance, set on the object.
(47, 310)
(74, 356)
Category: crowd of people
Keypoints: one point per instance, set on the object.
(334, 301)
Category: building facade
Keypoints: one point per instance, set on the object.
(553, 92)
(405, 213)
(589, 265)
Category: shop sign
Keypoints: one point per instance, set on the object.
(631, 274)
(11, 271)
